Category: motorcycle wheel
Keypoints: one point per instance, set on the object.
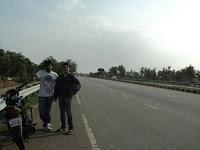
(18, 137)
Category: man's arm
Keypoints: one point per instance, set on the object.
(56, 90)
(77, 85)
(37, 76)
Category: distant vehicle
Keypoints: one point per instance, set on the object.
(101, 73)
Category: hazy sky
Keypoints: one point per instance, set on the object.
(104, 33)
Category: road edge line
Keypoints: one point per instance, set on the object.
(90, 134)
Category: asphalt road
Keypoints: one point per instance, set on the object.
(53, 141)
(110, 115)
(125, 116)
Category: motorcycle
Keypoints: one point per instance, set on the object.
(19, 118)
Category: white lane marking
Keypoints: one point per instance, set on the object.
(125, 96)
(172, 96)
(90, 134)
(123, 85)
(78, 99)
(152, 107)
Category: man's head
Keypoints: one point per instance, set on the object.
(48, 65)
(66, 68)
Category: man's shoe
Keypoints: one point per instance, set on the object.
(69, 132)
(60, 130)
(48, 127)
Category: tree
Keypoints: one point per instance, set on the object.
(179, 76)
(167, 74)
(148, 73)
(113, 71)
(15, 65)
(198, 75)
(53, 61)
(153, 74)
(136, 75)
(2, 64)
(142, 72)
(2, 53)
(122, 71)
(57, 66)
(189, 73)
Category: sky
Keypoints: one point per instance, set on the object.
(94, 33)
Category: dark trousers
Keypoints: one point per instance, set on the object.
(65, 107)
(45, 104)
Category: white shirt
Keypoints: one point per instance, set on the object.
(47, 82)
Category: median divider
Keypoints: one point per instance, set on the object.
(159, 85)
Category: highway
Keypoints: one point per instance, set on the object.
(110, 115)
(125, 116)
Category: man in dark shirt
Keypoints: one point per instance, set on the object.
(66, 86)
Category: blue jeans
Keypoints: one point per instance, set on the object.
(65, 107)
(45, 104)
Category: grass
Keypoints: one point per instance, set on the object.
(3, 126)
(30, 101)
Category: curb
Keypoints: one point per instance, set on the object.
(170, 87)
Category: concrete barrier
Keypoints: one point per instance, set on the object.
(166, 86)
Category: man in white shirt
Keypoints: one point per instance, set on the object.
(47, 80)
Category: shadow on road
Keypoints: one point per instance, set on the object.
(5, 140)
(40, 133)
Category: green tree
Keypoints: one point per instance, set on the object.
(15, 65)
(135, 75)
(198, 75)
(57, 66)
(2, 64)
(148, 73)
(122, 71)
(188, 73)
(142, 72)
(54, 62)
(179, 76)
(167, 74)
(113, 71)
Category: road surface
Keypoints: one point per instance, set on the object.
(110, 115)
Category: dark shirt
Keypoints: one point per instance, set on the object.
(66, 86)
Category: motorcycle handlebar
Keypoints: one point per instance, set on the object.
(19, 88)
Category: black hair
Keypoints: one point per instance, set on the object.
(66, 63)
(47, 62)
